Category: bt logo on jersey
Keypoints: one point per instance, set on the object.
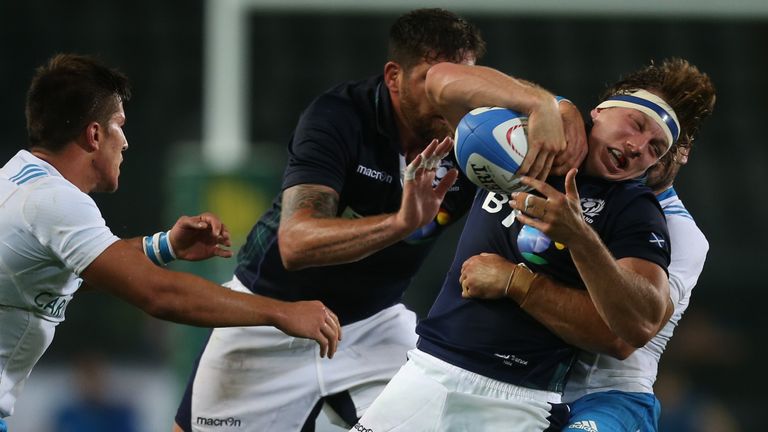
(494, 203)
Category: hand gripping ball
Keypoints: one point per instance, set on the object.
(490, 146)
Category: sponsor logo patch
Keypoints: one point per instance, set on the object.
(226, 422)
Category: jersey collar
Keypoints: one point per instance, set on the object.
(385, 116)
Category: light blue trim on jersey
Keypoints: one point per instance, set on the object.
(27, 173)
(614, 411)
(32, 176)
(677, 208)
(3, 426)
(24, 171)
(678, 211)
(666, 194)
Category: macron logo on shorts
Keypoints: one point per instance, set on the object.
(585, 425)
(227, 422)
(360, 428)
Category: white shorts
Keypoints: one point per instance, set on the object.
(428, 394)
(260, 379)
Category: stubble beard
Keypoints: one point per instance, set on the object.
(425, 127)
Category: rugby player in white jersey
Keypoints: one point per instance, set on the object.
(611, 383)
(54, 241)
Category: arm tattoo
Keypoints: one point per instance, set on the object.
(320, 200)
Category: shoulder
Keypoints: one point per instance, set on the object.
(683, 228)
(618, 196)
(52, 200)
(351, 100)
(634, 193)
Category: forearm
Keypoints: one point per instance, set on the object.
(311, 241)
(456, 89)
(570, 314)
(311, 232)
(181, 297)
(188, 299)
(630, 304)
(567, 312)
(135, 243)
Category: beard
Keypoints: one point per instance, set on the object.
(662, 173)
(425, 126)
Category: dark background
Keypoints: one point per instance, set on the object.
(295, 56)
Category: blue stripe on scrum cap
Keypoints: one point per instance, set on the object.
(666, 117)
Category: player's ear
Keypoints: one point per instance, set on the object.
(392, 76)
(595, 113)
(91, 137)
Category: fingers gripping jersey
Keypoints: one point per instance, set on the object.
(50, 231)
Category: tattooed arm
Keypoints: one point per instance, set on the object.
(311, 235)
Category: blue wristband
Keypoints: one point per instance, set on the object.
(158, 248)
(560, 99)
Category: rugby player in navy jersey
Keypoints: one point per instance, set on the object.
(611, 385)
(482, 362)
(363, 200)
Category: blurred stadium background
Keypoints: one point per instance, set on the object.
(219, 84)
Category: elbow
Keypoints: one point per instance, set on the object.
(639, 335)
(437, 75)
(639, 330)
(438, 78)
(290, 260)
(159, 301)
(620, 349)
(158, 306)
(290, 251)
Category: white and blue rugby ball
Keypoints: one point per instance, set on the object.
(490, 145)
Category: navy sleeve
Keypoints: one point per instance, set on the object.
(641, 232)
(323, 144)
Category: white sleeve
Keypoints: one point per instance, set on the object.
(689, 251)
(68, 223)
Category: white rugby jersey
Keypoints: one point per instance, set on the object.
(50, 231)
(599, 372)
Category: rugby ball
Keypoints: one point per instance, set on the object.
(490, 145)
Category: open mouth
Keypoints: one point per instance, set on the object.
(618, 157)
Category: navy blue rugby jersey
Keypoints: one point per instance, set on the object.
(347, 139)
(496, 338)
